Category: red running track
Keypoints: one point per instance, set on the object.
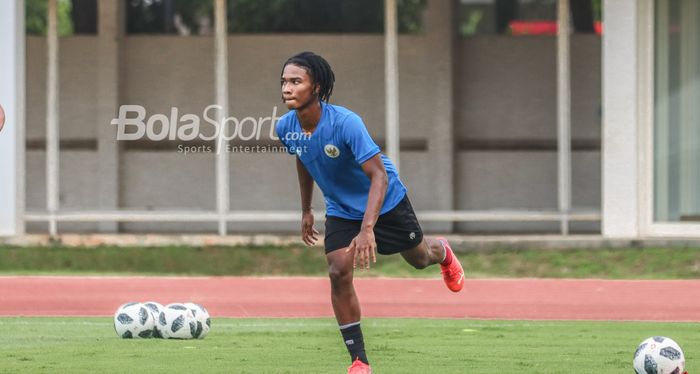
(535, 299)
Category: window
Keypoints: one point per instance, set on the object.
(525, 17)
(190, 17)
(676, 111)
(74, 17)
(181, 17)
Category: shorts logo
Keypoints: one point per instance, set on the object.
(331, 151)
(412, 235)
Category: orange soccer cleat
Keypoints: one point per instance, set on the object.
(359, 367)
(452, 274)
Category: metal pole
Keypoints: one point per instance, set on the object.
(689, 110)
(222, 156)
(52, 135)
(20, 106)
(110, 16)
(645, 103)
(662, 114)
(564, 115)
(391, 79)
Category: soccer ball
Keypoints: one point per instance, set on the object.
(659, 355)
(176, 321)
(203, 320)
(155, 309)
(133, 320)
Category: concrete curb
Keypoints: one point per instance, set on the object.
(459, 242)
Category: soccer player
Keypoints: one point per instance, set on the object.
(367, 208)
(2, 118)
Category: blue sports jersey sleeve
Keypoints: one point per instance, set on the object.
(281, 130)
(358, 139)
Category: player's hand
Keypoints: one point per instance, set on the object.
(308, 232)
(364, 248)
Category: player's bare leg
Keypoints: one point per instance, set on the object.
(340, 270)
(433, 251)
(428, 252)
(346, 307)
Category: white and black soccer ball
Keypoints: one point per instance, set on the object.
(133, 320)
(155, 309)
(659, 355)
(176, 321)
(203, 320)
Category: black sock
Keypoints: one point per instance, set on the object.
(352, 335)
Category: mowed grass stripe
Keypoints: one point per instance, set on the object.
(624, 263)
(89, 345)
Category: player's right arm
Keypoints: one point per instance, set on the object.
(306, 187)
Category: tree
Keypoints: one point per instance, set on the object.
(36, 16)
(275, 16)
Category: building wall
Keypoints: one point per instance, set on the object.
(506, 122)
(504, 91)
(12, 93)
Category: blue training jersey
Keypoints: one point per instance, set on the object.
(333, 155)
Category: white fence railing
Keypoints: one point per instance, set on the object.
(222, 215)
(293, 216)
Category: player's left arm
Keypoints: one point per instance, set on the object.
(364, 243)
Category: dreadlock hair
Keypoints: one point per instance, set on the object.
(319, 70)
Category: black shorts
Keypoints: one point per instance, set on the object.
(396, 230)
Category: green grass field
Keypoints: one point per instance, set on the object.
(89, 345)
(623, 263)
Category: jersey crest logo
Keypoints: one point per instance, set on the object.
(331, 151)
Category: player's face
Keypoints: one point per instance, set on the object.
(297, 87)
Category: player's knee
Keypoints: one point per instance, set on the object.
(339, 275)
